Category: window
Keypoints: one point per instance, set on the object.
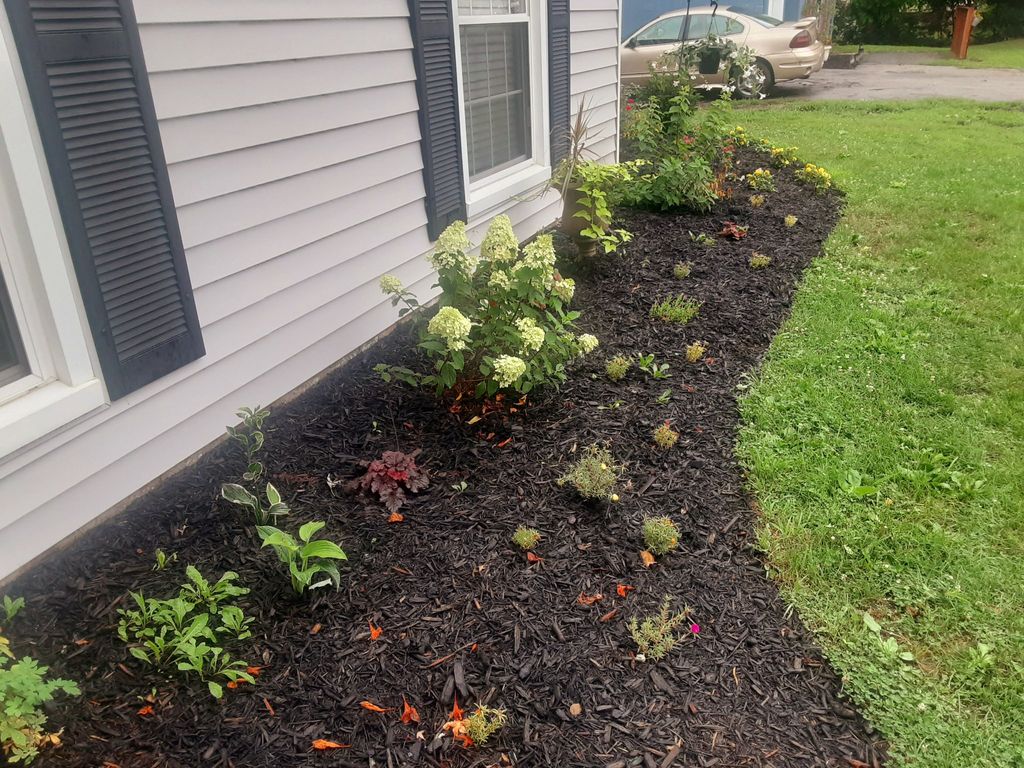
(664, 32)
(703, 24)
(501, 92)
(13, 364)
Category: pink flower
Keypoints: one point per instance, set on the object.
(695, 628)
(688, 140)
(629, 107)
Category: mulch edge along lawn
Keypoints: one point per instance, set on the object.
(463, 612)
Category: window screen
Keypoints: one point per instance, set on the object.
(491, 7)
(495, 85)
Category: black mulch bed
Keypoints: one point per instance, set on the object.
(462, 610)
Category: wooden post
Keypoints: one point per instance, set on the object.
(963, 23)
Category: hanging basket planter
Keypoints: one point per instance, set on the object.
(710, 61)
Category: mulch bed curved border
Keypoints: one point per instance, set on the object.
(463, 612)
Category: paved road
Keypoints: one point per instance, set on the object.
(878, 80)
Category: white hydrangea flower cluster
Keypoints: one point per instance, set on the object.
(539, 255)
(452, 326)
(501, 244)
(588, 342)
(451, 251)
(565, 289)
(532, 335)
(508, 369)
(390, 285)
(500, 279)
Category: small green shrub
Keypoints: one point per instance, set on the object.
(526, 538)
(695, 352)
(310, 561)
(759, 261)
(655, 370)
(617, 367)
(761, 180)
(816, 176)
(594, 474)
(24, 691)
(682, 270)
(655, 635)
(784, 156)
(665, 437)
(790, 221)
(676, 309)
(484, 723)
(12, 607)
(503, 322)
(661, 535)
(187, 632)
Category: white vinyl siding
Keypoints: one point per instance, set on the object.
(292, 138)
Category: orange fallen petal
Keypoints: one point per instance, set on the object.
(409, 713)
(233, 684)
(372, 707)
(323, 744)
(624, 589)
(505, 442)
(375, 632)
(532, 558)
(396, 517)
(146, 711)
(610, 615)
(585, 599)
(254, 671)
(315, 629)
(270, 708)
(456, 710)
(473, 648)
(648, 558)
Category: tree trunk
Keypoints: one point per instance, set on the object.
(825, 10)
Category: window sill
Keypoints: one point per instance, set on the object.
(485, 199)
(44, 410)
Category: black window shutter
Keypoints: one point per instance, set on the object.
(559, 87)
(434, 51)
(87, 78)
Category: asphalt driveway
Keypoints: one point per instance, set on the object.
(879, 80)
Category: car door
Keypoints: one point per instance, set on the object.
(720, 25)
(647, 46)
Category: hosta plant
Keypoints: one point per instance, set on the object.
(594, 474)
(24, 691)
(655, 635)
(390, 477)
(262, 512)
(504, 321)
(311, 562)
(661, 535)
(249, 437)
(188, 632)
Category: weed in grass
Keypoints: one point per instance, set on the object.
(679, 309)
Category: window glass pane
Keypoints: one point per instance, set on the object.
(662, 32)
(700, 25)
(12, 354)
(724, 27)
(496, 91)
(491, 7)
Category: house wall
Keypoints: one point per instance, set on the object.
(292, 141)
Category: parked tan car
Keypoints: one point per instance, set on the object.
(784, 50)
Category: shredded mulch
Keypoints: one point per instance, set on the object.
(462, 610)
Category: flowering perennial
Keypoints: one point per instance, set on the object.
(452, 326)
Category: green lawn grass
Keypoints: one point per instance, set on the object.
(1008, 54)
(884, 436)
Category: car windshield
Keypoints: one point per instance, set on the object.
(760, 18)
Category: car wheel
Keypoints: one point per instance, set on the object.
(747, 88)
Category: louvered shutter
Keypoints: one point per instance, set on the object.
(559, 76)
(436, 83)
(87, 78)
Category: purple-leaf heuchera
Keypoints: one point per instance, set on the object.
(390, 477)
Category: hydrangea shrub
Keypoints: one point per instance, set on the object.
(504, 321)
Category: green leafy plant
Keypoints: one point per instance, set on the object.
(390, 477)
(310, 561)
(761, 180)
(737, 64)
(655, 370)
(617, 367)
(594, 474)
(262, 513)
(484, 722)
(759, 260)
(24, 691)
(702, 239)
(790, 221)
(784, 156)
(526, 538)
(695, 352)
(12, 607)
(664, 398)
(655, 635)
(665, 437)
(661, 535)
(856, 485)
(187, 632)
(163, 559)
(676, 309)
(249, 436)
(816, 176)
(682, 270)
(504, 321)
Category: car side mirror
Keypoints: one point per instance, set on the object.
(631, 43)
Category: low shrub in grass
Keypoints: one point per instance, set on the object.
(504, 320)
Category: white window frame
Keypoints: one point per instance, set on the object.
(63, 385)
(494, 190)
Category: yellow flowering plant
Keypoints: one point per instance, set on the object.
(816, 176)
(504, 321)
